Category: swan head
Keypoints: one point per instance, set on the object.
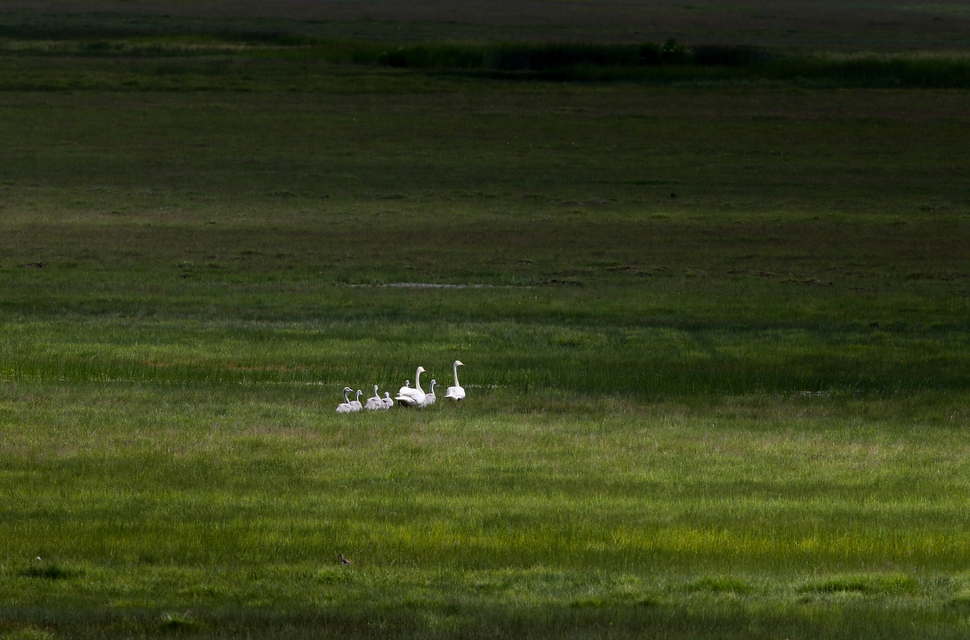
(420, 369)
(348, 390)
(459, 363)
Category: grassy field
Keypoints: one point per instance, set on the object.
(715, 327)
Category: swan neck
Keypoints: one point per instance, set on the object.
(455, 368)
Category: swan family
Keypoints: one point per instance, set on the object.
(407, 396)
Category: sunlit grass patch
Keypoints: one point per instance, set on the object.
(246, 496)
(25, 632)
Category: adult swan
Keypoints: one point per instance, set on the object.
(408, 397)
(456, 392)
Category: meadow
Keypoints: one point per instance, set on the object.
(714, 322)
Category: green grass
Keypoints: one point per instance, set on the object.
(526, 355)
(224, 501)
(715, 336)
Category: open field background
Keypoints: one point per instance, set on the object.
(891, 25)
(714, 320)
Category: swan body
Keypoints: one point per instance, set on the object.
(387, 401)
(456, 392)
(356, 403)
(408, 397)
(345, 406)
(375, 402)
(430, 397)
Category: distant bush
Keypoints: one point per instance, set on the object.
(546, 56)
(674, 52)
(729, 55)
(674, 62)
(277, 38)
(582, 61)
(650, 53)
(874, 71)
(440, 56)
(556, 56)
(551, 56)
(518, 56)
(902, 72)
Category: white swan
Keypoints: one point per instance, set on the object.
(375, 402)
(430, 397)
(356, 402)
(408, 397)
(387, 401)
(345, 406)
(456, 392)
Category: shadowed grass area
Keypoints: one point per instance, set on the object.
(880, 27)
(524, 355)
(210, 239)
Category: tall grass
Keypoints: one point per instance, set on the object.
(529, 56)
(674, 62)
(531, 358)
(669, 63)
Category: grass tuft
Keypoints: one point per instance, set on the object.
(52, 571)
(718, 584)
(960, 601)
(866, 584)
(179, 623)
